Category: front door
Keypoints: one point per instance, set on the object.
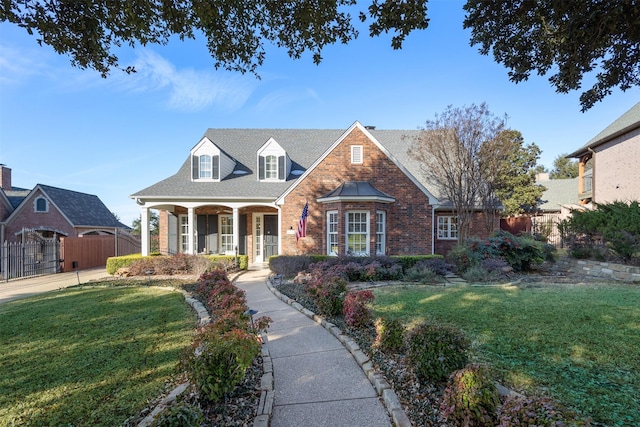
(270, 236)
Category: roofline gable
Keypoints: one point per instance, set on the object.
(357, 125)
(32, 194)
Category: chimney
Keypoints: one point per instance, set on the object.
(5, 177)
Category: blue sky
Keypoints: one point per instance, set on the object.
(70, 128)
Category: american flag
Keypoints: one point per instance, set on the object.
(302, 225)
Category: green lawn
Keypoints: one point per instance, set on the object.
(578, 344)
(91, 356)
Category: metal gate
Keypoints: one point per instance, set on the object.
(35, 257)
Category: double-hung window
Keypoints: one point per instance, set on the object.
(447, 227)
(357, 233)
(270, 167)
(184, 234)
(332, 233)
(205, 166)
(226, 233)
(381, 227)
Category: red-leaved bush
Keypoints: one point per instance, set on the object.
(355, 308)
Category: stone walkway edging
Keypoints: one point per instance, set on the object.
(382, 387)
(265, 407)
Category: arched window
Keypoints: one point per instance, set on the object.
(41, 204)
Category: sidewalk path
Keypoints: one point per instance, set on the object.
(317, 382)
(22, 288)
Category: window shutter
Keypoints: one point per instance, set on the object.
(281, 170)
(194, 168)
(215, 167)
(261, 168)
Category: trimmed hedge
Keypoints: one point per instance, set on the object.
(116, 263)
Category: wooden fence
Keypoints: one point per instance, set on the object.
(545, 225)
(92, 251)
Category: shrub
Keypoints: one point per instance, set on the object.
(390, 335)
(355, 310)
(471, 398)
(179, 415)
(215, 363)
(421, 274)
(290, 266)
(408, 261)
(328, 293)
(435, 351)
(118, 262)
(477, 274)
(538, 411)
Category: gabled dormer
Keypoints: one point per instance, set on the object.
(274, 163)
(209, 163)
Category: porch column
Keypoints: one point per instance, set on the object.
(191, 220)
(236, 229)
(144, 232)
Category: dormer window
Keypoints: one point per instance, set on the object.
(205, 166)
(209, 163)
(270, 167)
(273, 162)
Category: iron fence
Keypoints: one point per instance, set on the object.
(31, 258)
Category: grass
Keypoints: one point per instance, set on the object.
(577, 344)
(89, 356)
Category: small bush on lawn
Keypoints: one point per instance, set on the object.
(537, 411)
(217, 361)
(179, 415)
(471, 398)
(477, 274)
(421, 274)
(390, 335)
(355, 308)
(435, 351)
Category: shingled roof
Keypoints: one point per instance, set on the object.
(625, 123)
(305, 146)
(81, 209)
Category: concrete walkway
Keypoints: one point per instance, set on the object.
(317, 382)
(22, 288)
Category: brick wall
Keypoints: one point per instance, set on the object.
(409, 225)
(28, 218)
(616, 176)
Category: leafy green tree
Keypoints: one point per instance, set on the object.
(572, 39)
(509, 168)
(564, 168)
(236, 31)
(154, 224)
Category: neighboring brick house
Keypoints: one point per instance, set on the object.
(608, 169)
(51, 211)
(244, 190)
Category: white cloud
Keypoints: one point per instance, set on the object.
(188, 89)
(284, 97)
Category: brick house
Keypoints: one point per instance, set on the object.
(51, 211)
(609, 161)
(244, 190)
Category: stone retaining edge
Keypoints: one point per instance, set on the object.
(382, 387)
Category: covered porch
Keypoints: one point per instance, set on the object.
(227, 228)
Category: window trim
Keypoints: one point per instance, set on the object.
(333, 234)
(223, 247)
(36, 202)
(357, 154)
(205, 173)
(366, 233)
(447, 234)
(381, 232)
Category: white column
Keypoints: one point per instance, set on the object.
(191, 220)
(144, 232)
(236, 228)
